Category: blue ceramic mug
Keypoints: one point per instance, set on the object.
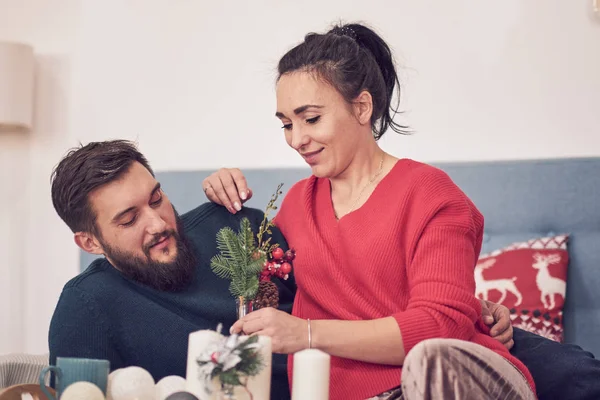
(71, 370)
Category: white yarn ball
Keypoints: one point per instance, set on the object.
(111, 376)
(82, 390)
(132, 383)
(169, 385)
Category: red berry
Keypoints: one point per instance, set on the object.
(289, 255)
(286, 268)
(277, 253)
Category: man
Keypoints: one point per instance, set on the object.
(137, 306)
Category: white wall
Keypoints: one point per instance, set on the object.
(37, 254)
(482, 81)
(518, 79)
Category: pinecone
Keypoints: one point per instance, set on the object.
(267, 296)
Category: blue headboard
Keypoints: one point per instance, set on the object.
(519, 199)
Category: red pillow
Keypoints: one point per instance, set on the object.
(530, 279)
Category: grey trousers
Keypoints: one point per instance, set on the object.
(456, 369)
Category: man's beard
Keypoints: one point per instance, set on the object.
(164, 276)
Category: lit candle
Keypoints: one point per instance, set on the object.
(311, 375)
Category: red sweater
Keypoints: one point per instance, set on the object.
(409, 252)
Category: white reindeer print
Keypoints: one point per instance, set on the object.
(501, 285)
(547, 284)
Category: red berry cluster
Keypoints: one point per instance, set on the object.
(278, 264)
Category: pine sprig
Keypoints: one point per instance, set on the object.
(246, 238)
(256, 266)
(229, 245)
(221, 267)
(235, 261)
(242, 255)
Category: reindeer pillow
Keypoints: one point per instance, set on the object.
(530, 279)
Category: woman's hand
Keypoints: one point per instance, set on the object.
(498, 317)
(227, 187)
(288, 334)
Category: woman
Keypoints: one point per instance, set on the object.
(385, 247)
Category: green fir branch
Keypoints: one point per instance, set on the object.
(256, 266)
(237, 287)
(251, 287)
(242, 255)
(228, 244)
(221, 266)
(246, 238)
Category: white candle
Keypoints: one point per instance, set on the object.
(260, 385)
(311, 375)
(197, 342)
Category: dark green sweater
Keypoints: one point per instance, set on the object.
(102, 314)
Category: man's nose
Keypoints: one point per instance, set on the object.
(156, 224)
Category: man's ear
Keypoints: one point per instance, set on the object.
(88, 243)
(363, 107)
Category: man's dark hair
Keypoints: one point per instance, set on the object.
(85, 169)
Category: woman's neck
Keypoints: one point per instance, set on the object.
(351, 188)
(361, 169)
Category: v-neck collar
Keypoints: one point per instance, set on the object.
(325, 194)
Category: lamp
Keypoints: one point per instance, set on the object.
(16, 87)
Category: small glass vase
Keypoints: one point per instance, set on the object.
(243, 306)
(226, 393)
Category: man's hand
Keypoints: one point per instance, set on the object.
(227, 187)
(498, 317)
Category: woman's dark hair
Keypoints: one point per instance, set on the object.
(351, 58)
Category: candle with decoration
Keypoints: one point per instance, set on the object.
(227, 368)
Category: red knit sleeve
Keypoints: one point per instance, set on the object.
(442, 254)
(290, 209)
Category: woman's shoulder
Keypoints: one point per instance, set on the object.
(432, 192)
(427, 187)
(295, 197)
(422, 176)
